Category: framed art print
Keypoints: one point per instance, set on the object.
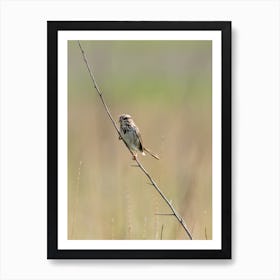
(139, 140)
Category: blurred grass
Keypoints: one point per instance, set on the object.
(166, 87)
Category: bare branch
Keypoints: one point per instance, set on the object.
(174, 212)
(178, 217)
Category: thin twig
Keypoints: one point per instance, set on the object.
(178, 217)
(161, 232)
(164, 214)
(176, 214)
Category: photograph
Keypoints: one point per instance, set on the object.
(160, 96)
(141, 155)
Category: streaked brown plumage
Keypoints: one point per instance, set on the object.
(131, 135)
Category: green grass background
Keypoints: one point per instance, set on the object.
(166, 86)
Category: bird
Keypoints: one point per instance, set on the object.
(130, 133)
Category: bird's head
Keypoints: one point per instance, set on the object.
(124, 117)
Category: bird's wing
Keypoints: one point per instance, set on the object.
(138, 134)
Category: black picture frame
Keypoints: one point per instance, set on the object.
(53, 27)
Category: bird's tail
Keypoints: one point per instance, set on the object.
(149, 152)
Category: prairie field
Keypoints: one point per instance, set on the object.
(166, 86)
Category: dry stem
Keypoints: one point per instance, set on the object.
(174, 212)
